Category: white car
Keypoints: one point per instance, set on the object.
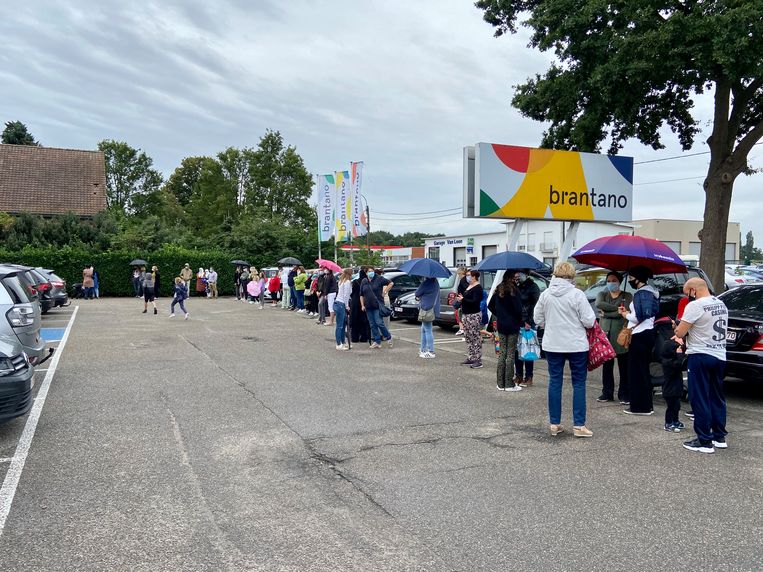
(735, 280)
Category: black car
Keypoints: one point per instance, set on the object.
(403, 283)
(744, 337)
(44, 289)
(58, 287)
(15, 379)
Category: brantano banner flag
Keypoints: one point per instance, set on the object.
(343, 205)
(358, 217)
(326, 206)
(521, 182)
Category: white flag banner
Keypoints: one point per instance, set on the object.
(342, 205)
(358, 215)
(326, 206)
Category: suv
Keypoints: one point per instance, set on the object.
(670, 286)
(403, 283)
(20, 313)
(15, 379)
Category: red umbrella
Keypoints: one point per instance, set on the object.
(330, 264)
(623, 252)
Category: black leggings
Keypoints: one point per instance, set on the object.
(639, 377)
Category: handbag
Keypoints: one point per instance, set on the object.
(528, 348)
(426, 315)
(384, 310)
(599, 348)
(624, 337)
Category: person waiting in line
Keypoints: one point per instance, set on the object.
(360, 331)
(342, 307)
(311, 295)
(322, 308)
(212, 282)
(136, 282)
(565, 313)
(529, 293)
(292, 307)
(96, 282)
(157, 281)
(382, 287)
(459, 287)
(283, 273)
(186, 274)
(148, 291)
(237, 282)
(640, 315)
(608, 301)
(428, 295)
(244, 279)
(181, 294)
(274, 288)
(370, 304)
(299, 288)
(263, 281)
(328, 292)
(87, 282)
(471, 319)
(506, 307)
(671, 356)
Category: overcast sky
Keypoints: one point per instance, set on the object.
(401, 85)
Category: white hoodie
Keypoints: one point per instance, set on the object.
(565, 313)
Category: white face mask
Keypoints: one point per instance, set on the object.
(469, 279)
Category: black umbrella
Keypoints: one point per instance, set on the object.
(290, 261)
(240, 262)
(138, 262)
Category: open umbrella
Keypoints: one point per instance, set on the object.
(240, 262)
(138, 262)
(290, 261)
(509, 260)
(424, 267)
(330, 264)
(623, 252)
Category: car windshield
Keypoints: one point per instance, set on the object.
(745, 299)
(447, 282)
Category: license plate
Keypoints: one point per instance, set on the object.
(731, 336)
(398, 308)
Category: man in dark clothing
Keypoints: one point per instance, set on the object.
(369, 301)
(321, 297)
(292, 289)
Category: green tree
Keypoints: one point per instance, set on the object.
(280, 184)
(129, 172)
(16, 133)
(184, 180)
(625, 68)
(748, 248)
(213, 201)
(383, 237)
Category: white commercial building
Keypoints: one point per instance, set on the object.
(541, 238)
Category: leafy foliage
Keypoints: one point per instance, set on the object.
(624, 69)
(16, 133)
(129, 173)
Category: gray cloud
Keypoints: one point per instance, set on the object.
(401, 85)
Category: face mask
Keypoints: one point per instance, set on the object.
(469, 279)
(371, 275)
(613, 286)
(521, 277)
(633, 284)
(692, 297)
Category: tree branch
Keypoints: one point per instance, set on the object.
(719, 136)
(746, 144)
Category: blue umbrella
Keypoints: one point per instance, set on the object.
(509, 260)
(424, 267)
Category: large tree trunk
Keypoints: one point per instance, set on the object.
(716, 220)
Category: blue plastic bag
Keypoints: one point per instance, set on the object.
(528, 347)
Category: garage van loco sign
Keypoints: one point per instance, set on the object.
(522, 182)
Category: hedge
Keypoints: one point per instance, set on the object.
(114, 271)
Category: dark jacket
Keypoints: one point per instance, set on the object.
(529, 294)
(472, 299)
(672, 362)
(462, 285)
(370, 301)
(329, 284)
(181, 292)
(507, 312)
(290, 281)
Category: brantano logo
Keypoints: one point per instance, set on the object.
(592, 199)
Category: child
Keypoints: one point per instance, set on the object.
(148, 290)
(181, 293)
(670, 353)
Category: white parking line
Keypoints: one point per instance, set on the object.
(12, 477)
(6, 459)
(448, 341)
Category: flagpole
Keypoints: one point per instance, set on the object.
(318, 189)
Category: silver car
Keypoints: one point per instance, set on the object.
(20, 315)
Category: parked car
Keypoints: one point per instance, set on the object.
(20, 313)
(407, 308)
(15, 379)
(670, 286)
(44, 289)
(58, 287)
(403, 283)
(733, 280)
(744, 337)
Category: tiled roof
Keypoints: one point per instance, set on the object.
(49, 181)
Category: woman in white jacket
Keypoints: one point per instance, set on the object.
(565, 314)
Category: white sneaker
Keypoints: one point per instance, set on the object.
(251, 302)
(172, 315)
(341, 348)
(515, 388)
(186, 316)
(460, 333)
(423, 355)
(259, 307)
(430, 355)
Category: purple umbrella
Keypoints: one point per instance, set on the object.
(623, 252)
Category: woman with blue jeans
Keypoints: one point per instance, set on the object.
(370, 303)
(428, 295)
(341, 307)
(565, 313)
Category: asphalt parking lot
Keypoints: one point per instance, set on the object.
(241, 440)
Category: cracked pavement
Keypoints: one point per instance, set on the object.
(241, 440)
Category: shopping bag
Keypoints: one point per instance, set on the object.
(599, 348)
(528, 347)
